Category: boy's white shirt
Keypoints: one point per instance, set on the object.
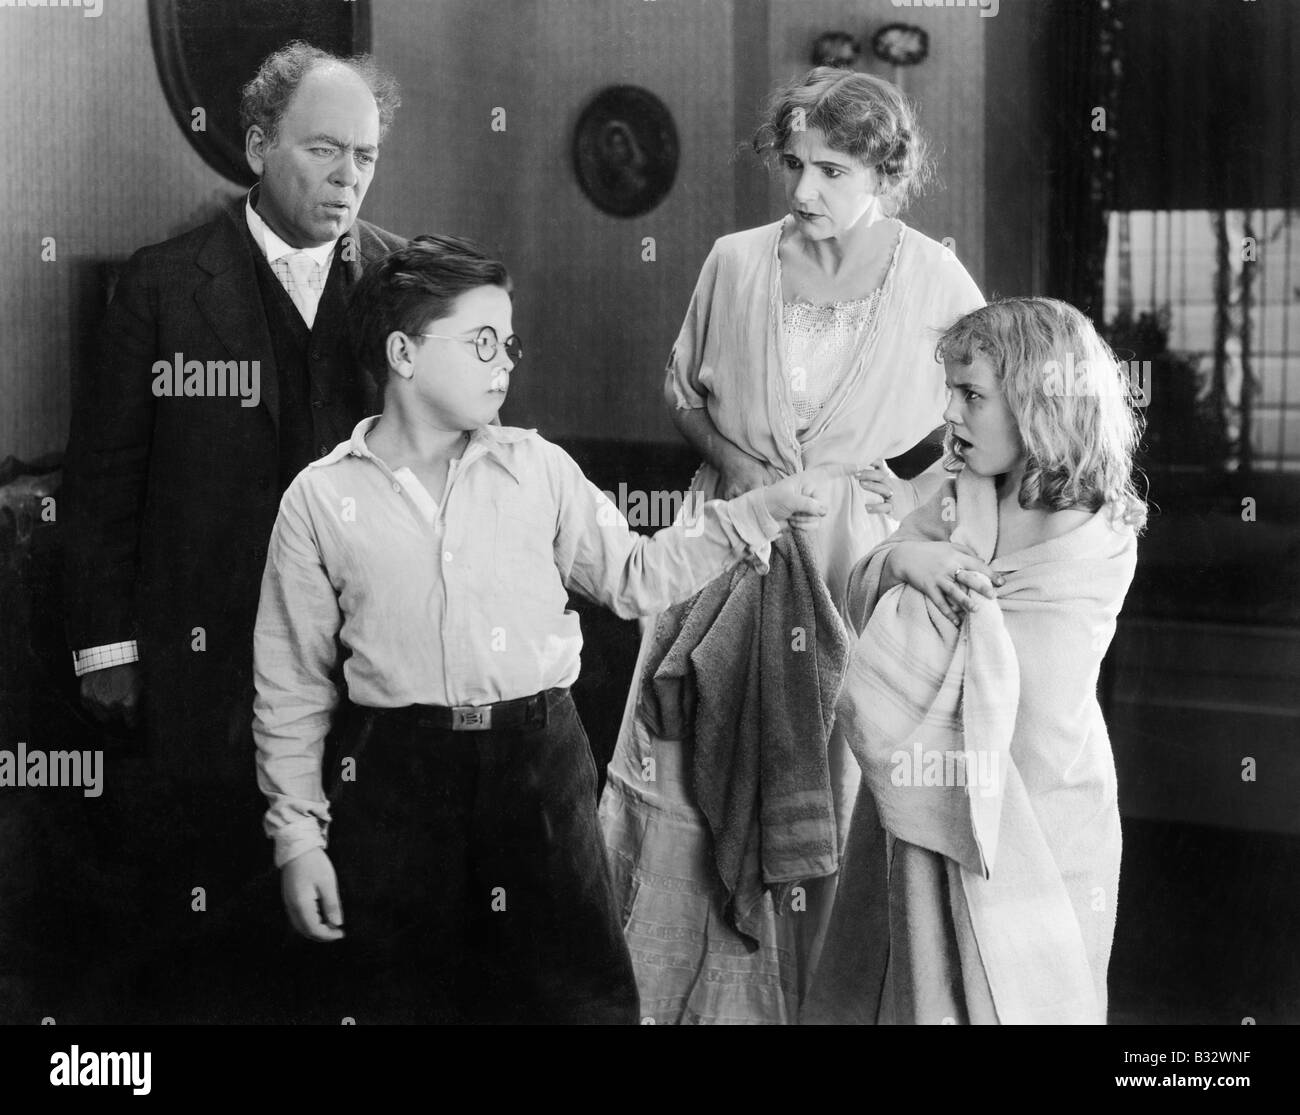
(451, 603)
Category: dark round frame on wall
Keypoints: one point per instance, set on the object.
(901, 44)
(625, 150)
(207, 49)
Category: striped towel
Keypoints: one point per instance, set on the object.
(990, 774)
(750, 670)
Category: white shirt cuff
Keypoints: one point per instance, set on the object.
(296, 840)
(755, 525)
(102, 657)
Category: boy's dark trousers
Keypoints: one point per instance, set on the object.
(473, 875)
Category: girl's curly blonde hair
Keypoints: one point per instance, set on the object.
(1070, 398)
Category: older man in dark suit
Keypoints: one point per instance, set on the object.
(225, 367)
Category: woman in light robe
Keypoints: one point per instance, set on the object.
(807, 340)
(982, 872)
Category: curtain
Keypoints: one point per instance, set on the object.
(1084, 91)
(1208, 107)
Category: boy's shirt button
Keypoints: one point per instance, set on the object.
(396, 486)
(446, 555)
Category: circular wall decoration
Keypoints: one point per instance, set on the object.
(901, 43)
(206, 51)
(625, 150)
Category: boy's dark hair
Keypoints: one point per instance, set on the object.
(413, 286)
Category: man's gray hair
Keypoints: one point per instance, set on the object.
(264, 99)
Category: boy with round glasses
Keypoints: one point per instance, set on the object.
(431, 557)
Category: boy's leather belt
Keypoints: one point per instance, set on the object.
(523, 712)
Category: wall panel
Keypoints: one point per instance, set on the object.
(94, 159)
(598, 321)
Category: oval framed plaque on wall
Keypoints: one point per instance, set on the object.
(625, 150)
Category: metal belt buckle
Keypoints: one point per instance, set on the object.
(468, 718)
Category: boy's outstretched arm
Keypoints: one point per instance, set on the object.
(599, 555)
(294, 652)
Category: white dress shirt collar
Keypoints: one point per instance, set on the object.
(272, 246)
(490, 440)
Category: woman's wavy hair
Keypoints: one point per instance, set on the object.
(860, 114)
(1070, 398)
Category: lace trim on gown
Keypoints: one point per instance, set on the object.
(820, 342)
(819, 345)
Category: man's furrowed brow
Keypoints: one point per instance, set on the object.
(334, 141)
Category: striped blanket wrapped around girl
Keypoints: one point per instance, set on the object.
(982, 869)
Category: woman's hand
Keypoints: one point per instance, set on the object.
(804, 498)
(742, 473)
(889, 493)
(311, 896)
(952, 579)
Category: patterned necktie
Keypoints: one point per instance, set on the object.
(304, 285)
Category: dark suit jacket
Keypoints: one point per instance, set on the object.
(169, 503)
